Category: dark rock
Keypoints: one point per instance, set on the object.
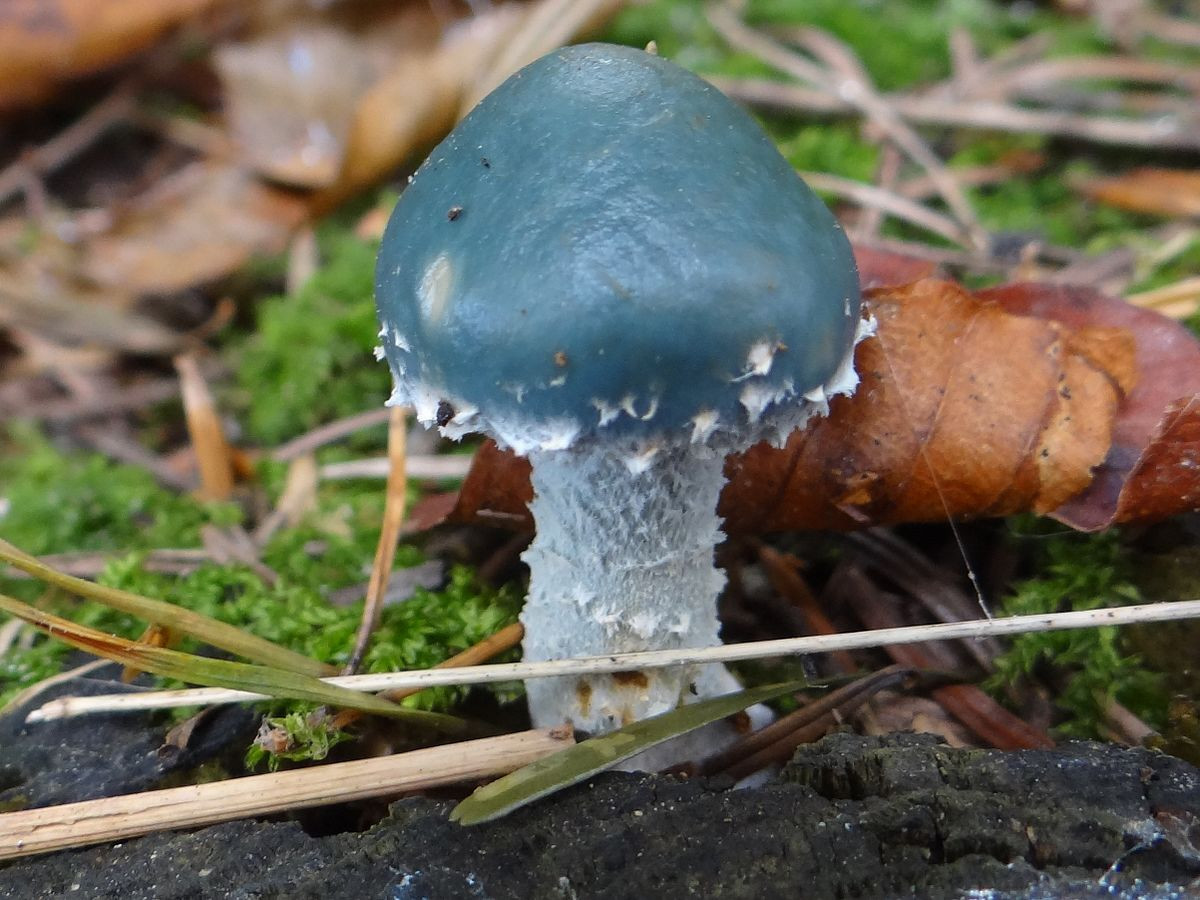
(853, 817)
(104, 755)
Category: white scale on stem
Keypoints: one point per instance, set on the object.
(623, 561)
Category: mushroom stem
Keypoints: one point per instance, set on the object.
(622, 561)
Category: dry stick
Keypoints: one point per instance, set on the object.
(125, 400)
(113, 443)
(861, 91)
(870, 196)
(433, 468)
(71, 141)
(994, 116)
(853, 88)
(652, 659)
(328, 434)
(117, 818)
(389, 537)
(886, 176)
(1075, 68)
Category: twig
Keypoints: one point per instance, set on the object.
(656, 659)
(86, 564)
(328, 434)
(1164, 133)
(858, 88)
(129, 399)
(849, 82)
(432, 468)
(116, 445)
(389, 537)
(1038, 74)
(71, 141)
(868, 195)
(116, 818)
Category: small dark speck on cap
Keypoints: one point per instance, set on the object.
(454, 212)
(485, 162)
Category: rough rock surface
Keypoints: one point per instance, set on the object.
(102, 756)
(851, 817)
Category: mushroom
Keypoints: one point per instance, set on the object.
(608, 267)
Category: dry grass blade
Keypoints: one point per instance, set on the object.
(389, 537)
(218, 672)
(1178, 300)
(116, 818)
(647, 659)
(218, 634)
(213, 457)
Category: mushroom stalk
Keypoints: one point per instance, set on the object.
(622, 561)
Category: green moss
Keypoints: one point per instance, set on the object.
(302, 738)
(309, 359)
(1093, 665)
(61, 502)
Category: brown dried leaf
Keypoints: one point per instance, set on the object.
(46, 42)
(1162, 192)
(1152, 469)
(964, 410)
(291, 90)
(195, 227)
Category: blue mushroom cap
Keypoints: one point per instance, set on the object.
(608, 244)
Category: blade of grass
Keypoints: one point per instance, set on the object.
(218, 634)
(1173, 611)
(585, 759)
(219, 672)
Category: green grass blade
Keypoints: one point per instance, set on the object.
(586, 758)
(221, 673)
(218, 634)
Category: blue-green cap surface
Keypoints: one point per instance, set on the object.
(607, 244)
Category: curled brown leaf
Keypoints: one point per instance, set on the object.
(965, 410)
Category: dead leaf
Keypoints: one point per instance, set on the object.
(964, 410)
(46, 42)
(1160, 192)
(1152, 469)
(192, 228)
(291, 91)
